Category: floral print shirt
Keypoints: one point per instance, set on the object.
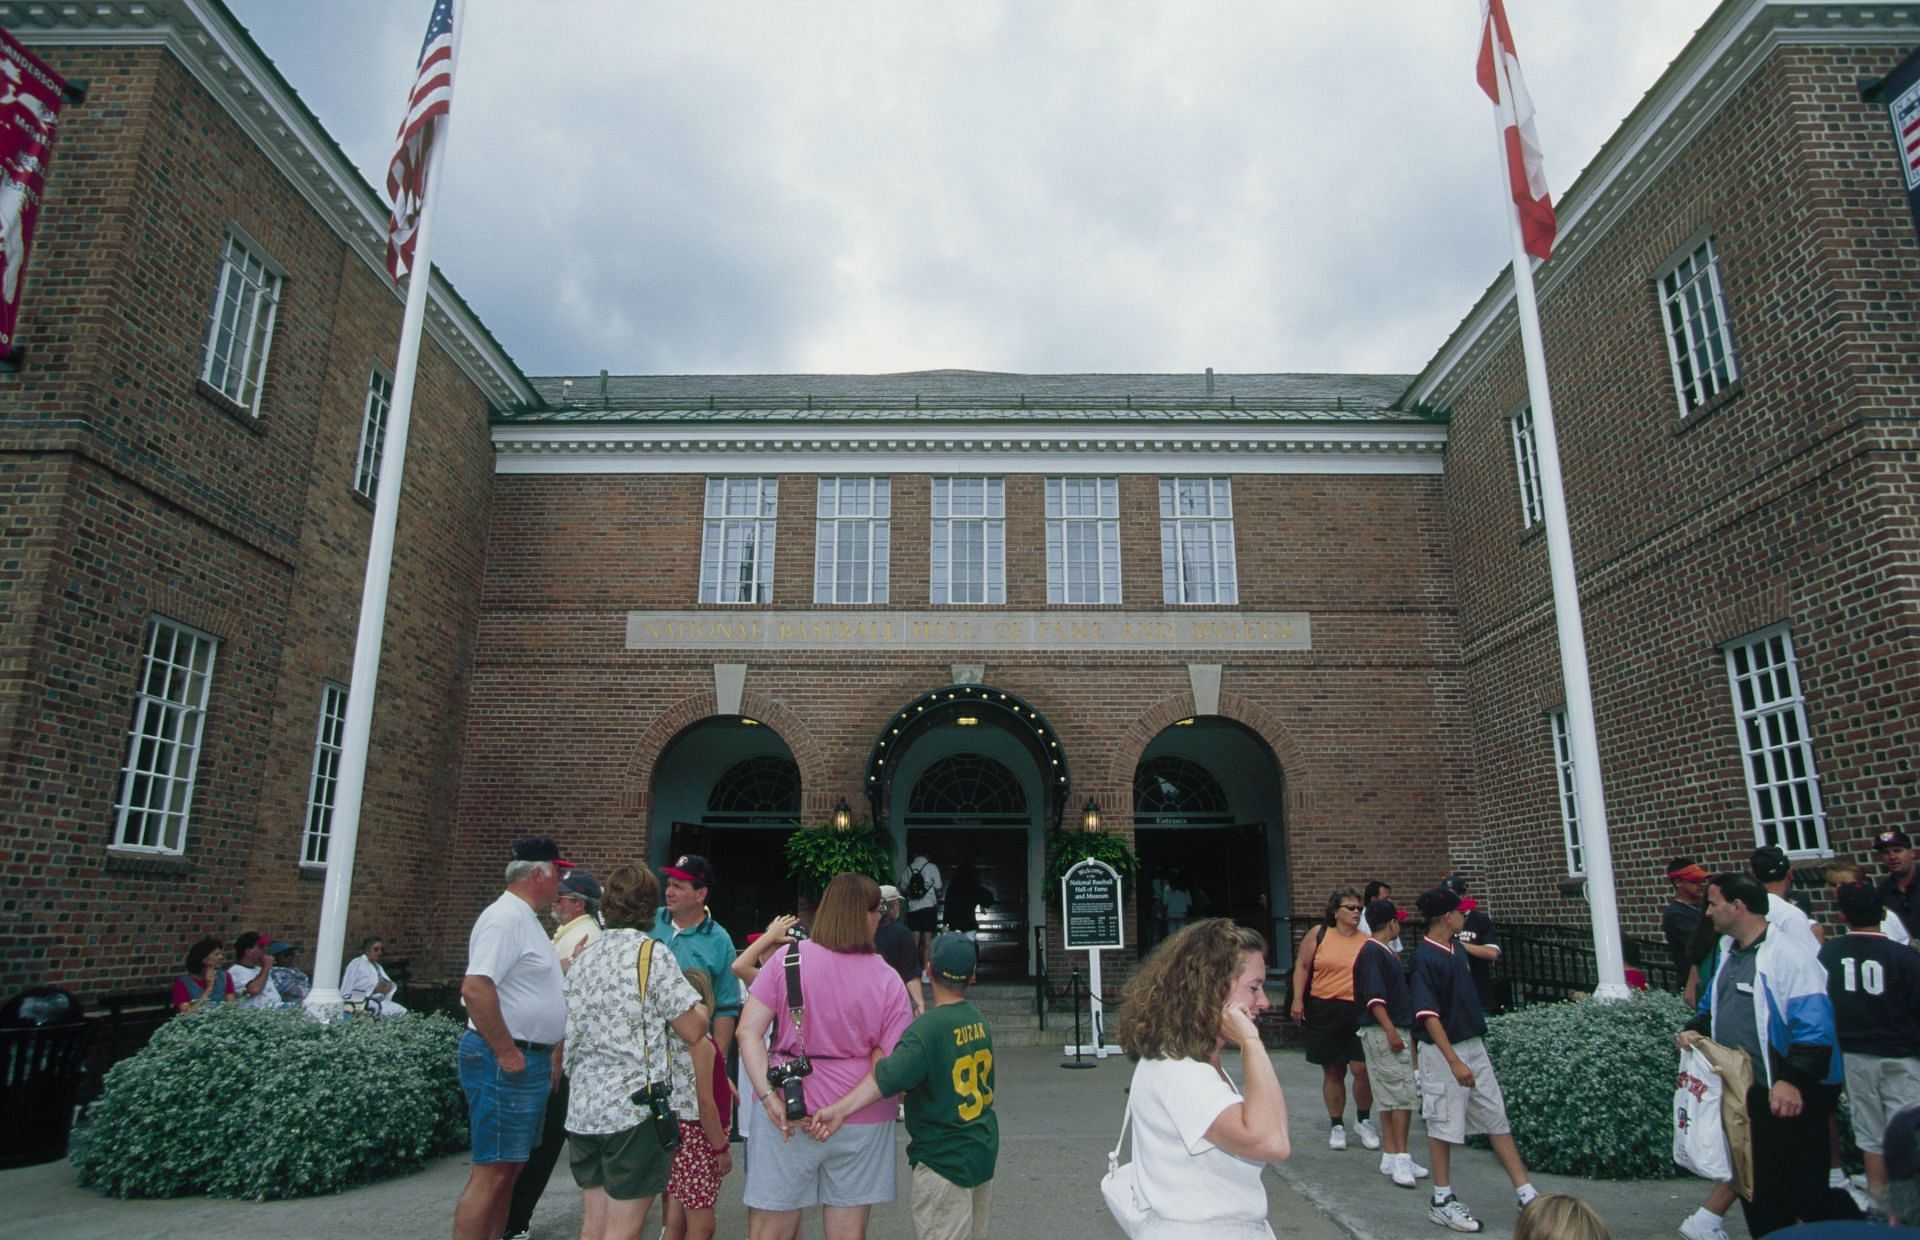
(614, 1045)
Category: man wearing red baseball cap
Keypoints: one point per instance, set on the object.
(697, 940)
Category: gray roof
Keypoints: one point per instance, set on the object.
(961, 395)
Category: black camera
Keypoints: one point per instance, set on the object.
(798, 932)
(785, 1077)
(659, 1105)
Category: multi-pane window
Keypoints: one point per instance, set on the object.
(969, 541)
(1083, 540)
(326, 775)
(1569, 802)
(1526, 464)
(1698, 342)
(850, 540)
(1782, 787)
(373, 433)
(1196, 541)
(736, 554)
(243, 308)
(163, 748)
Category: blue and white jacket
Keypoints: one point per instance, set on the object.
(1791, 1011)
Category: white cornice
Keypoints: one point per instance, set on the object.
(204, 37)
(1134, 450)
(1728, 50)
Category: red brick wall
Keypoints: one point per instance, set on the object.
(1369, 728)
(1790, 500)
(126, 493)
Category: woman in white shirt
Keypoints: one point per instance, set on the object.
(367, 978)
(1199, 1143)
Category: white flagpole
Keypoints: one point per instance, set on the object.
(1590, 800)
(325, 999)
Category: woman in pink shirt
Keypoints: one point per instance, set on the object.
(853, 1005)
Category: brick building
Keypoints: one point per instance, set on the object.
(185, 468)
(1282, 630)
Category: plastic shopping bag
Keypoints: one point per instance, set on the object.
(1699, 1136)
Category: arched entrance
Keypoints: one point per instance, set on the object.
(1208, 829)
(973, 775)
(728, 788)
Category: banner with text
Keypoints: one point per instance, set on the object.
(30, 97)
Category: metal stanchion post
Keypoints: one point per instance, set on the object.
(1079, 1045)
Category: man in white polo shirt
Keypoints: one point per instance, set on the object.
(516, 1017)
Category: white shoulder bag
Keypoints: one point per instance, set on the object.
(1118, 1186)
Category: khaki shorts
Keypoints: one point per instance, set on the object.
(942, 1210)
(1878, 1088)
(1452, 1111)
(629, 1165)
(1391, 1074)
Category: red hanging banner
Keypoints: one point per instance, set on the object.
(30, 98)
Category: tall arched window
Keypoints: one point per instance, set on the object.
(762, 789)
(1174, 791)
(967, 787)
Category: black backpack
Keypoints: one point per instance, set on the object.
(917, 882)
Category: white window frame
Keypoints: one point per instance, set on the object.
(240, 328)
(1693, 318)
(852, 514)
(373, 432)
(969, 513)
(1776, 749)
(324, 780)
(736, 545)
(1526, 465)
(1083, 540)
(1202, 506)
(163, 742)
(1568, 794)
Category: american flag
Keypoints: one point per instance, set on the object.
(1498, 71)
(426, 105)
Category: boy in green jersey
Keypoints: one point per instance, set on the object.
(944, 1064)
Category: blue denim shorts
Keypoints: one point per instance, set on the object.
(505, 1110)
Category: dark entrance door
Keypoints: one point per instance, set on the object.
(998, 857)
(750, 864)
(1187, 873)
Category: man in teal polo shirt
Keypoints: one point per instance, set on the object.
(697, 940)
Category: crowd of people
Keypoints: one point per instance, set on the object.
(610, 1039)
(624, 1037)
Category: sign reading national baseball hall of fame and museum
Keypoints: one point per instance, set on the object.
(987, 632)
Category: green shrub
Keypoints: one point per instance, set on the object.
(815, 855)
(262, 1104)
(1589, 1085)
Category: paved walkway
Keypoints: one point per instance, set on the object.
(1056, 1126)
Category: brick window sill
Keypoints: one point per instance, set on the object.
(122, 861)
(1726, 396)
(229, 406)
(311, 873)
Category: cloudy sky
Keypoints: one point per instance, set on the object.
(1027, 185)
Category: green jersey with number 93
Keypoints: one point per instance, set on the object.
(944, 1065)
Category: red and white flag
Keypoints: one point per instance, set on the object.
(1499, 74)
(427, 104)
(30, 98)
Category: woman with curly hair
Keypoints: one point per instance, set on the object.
(1199, 1143)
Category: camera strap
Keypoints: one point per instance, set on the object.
(643, 968)
(796, 999)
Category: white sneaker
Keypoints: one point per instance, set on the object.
(1693, 1229)
(1386, 1163)
(1337, 1138)
(1452, 1215)
(1419, 1172)
(1403, 1172)
(1369, 1135)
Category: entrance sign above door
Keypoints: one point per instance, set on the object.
(965, 632)
(1090, 904)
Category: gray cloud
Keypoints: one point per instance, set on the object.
(1123, 186)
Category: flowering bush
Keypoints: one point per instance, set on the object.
(238, 1102)
(1589, 1085)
